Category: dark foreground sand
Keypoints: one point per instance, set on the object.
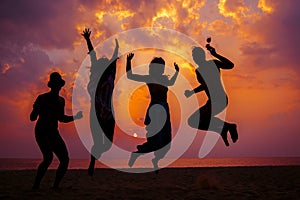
(172, 183)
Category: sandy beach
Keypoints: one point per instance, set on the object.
(170, 183)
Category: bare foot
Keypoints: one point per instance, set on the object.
(224, 134)
(233, 132)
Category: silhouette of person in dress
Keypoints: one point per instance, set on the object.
(208, 75)
(49, 109)
(158, 134)
(100, 88)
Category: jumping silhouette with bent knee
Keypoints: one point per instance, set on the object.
(49, 109)
(208, 75)
(100, 88)
(158, 140)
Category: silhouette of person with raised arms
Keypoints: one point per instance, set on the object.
(208, 75)
(100, 88)
(158, 134)
(49, 109)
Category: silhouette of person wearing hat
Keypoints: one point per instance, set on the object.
(49, 109)
(100, 88)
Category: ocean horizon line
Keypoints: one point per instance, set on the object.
(121, 163)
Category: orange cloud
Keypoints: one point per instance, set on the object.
(250, 34)
(232, 8)
(220, 27)
(5, 68)
(264, 6)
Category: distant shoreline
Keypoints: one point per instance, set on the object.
(27, 164)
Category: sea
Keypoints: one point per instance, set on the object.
(31, 164)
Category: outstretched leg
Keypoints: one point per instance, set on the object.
(155, 164)
(97, 134)
(133, 157)
(222, 128)
(91, 168)
(202, 119)
(108, 127)
(103, 139)
(47, 159)
(159, 154)
(61, 152)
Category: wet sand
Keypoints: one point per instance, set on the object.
(170, 183)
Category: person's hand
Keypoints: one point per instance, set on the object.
(211, 49)
(86, 33)
(176, 67)
(188, 93)
(117, 43)
(130, 56)
(78, 115)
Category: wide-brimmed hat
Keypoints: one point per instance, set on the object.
(56, 80)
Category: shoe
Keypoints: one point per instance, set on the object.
(224, 135)
(233, 133)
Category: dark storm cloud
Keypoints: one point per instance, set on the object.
(46, 23)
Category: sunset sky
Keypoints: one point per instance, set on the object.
(261, 37)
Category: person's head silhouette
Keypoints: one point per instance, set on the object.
(56, 82)
(157, 66)
(198, 55)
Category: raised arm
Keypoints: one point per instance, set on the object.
(223, 62)
(86, 34)
(174, 77)
(130, 75)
